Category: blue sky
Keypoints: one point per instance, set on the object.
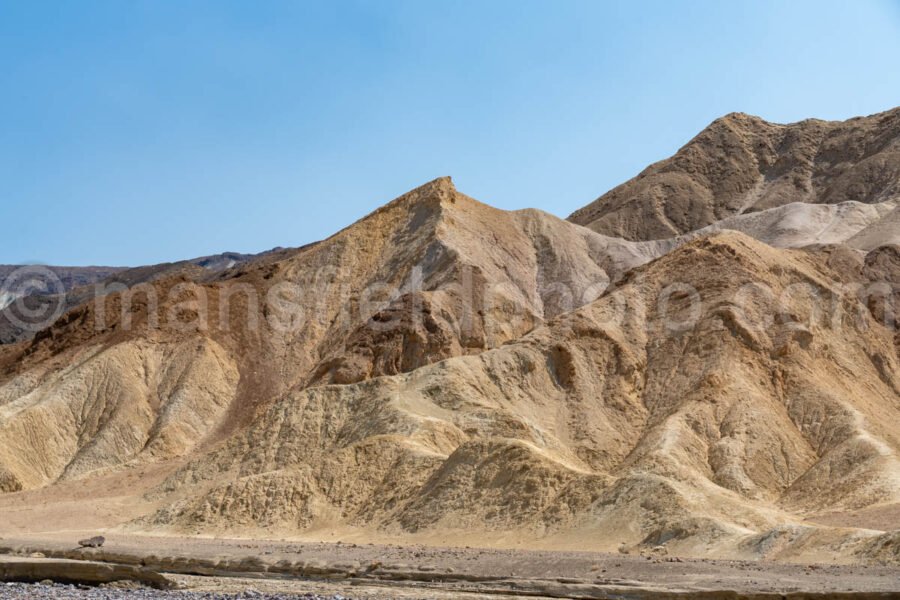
(141, 132)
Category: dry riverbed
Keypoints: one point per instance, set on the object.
(212, 568)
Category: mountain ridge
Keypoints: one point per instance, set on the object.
(741, 163)
(442, 369)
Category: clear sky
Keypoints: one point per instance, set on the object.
(139, 132)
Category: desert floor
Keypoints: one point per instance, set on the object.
(390, 571)
(51, 521)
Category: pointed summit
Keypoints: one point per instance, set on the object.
(441, 189)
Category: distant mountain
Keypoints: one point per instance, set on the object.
(69, 278)
(76, 285)
(742, 164)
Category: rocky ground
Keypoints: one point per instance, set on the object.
(351, 570)
(63, 592)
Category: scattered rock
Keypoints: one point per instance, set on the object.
(94, 542)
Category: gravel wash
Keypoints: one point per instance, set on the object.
(22, 591)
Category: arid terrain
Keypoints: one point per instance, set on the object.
(425, 571)
(691, 385)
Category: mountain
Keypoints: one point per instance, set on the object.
(68, 278)
(742, 164)
(61, 288)
(597, 428)
(432, 275)
(443, 372)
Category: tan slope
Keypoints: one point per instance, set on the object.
(742, 163)
(483, 389)
(599, 428)
(433, 274)
(111, 406)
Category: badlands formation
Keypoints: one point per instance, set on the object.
(705, 359)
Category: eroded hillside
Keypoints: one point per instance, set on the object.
(445, 370)
(743, 164)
